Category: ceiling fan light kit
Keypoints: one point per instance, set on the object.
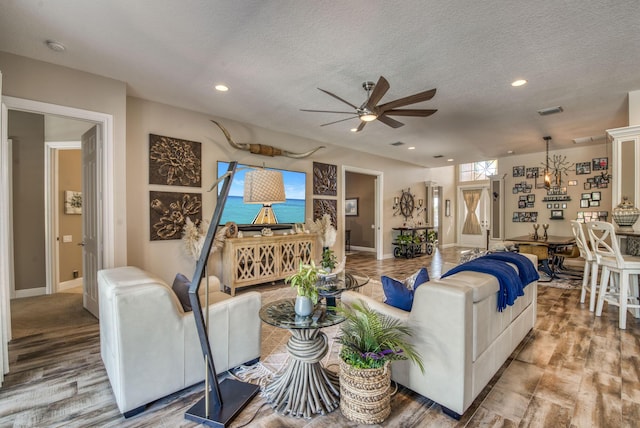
(370, 111)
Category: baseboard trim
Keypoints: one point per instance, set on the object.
(76, 282)
(365, 249)
(31, 292)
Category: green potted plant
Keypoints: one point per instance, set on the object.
(329, 259)
(370, 341)
(305, 281)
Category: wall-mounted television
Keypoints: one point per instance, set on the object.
(288, 213)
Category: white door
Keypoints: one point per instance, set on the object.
(5, 243)
(91, 209)
(473, 216)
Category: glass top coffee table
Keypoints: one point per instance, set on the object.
(304, 387)
(332, 286)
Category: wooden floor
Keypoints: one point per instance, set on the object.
(572, 370)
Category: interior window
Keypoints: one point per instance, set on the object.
(477, 171)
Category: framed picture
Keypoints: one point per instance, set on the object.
(564, 206)
(351, 206)
(447, 207)
(556, 206)
(557, 214)
(595, 196)
(573, 182)
(522, 204)
(600, 164)
(72, 202)
(584, 203)
(549, 206)
(587, 185)
(586, 196)
(532, 172)
(531, 198)
(583, 168)
(593, 203)
(522, 198)
(518, 171)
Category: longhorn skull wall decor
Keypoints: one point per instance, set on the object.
(262, 149)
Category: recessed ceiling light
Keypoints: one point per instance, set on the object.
(411, 148)
(222, 88)
(55, 46)
(450, 160)
(354, 130)
(510, 152)
(519, 82)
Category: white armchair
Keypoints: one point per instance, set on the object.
(150, 346)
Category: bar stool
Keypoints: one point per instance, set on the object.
(542, 252)
(590, 266)
(607, 251)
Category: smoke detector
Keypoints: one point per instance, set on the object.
(55, 46)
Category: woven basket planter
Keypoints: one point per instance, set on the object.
(364, 393)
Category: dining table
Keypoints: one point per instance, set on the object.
(552, 242)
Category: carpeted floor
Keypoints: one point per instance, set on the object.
(33, 315)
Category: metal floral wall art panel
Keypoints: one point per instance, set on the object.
(325, 179)
(168, 212)
(326, 206)
(174, 162)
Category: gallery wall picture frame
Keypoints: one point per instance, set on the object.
(325, 179)
(518, 171)
(174, 162)
(587, 185)
(549, 206)
(583, 168)
(557, 214)
(586, 196)
(168, 212)
(596, 196)
(351, 206)
(584, 203)
(564, 206)
(599, 164)
(532, 172)
(447, 207)
(593, 203)
(72, 202)
(573, 182)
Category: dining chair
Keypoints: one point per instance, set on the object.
(626, 268)
(590, 272)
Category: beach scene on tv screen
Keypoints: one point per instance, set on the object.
(292, 211)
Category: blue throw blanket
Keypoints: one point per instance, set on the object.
(526, 270)
(511, 286)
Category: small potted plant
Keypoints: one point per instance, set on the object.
(370, 341)
(305, 282)
(329, 259)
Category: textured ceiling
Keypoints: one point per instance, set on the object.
(583, 55)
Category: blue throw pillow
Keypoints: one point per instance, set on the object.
(181, 287)
(400, 293)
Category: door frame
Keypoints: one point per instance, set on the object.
(106, 216)
(377, 203)
(51, 210)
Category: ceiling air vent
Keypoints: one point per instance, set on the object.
(438, 156)
(550, 110)
(397, 143)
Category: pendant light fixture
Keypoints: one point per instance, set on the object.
(547, 172)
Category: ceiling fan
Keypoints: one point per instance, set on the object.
(370, 111)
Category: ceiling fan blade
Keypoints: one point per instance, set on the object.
(411, 99)
(338, 98)
(410, 112)
(379, 90)
(362, 124)
(328, 111)
(390, 122)
(338, 121)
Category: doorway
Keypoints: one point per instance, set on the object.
(473, 212)
(363, 189)
(103, 206)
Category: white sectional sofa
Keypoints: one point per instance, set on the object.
(150, 346)
(462, 337)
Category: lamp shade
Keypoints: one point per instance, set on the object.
(263, 186)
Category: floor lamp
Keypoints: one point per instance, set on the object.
(225, 400)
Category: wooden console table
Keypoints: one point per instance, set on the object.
(255, 260)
